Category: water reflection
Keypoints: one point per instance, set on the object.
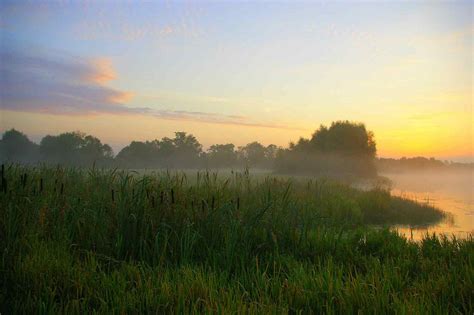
(450, 191)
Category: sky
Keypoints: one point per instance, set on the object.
(241, 71)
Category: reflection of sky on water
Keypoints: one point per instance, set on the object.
(450, 191)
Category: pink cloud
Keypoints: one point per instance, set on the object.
(63, 85)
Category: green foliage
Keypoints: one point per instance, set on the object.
(345, 148)
(184, 150)
(344, 137)
(222, 155)
(413, 164)
(75, 148)
(16, 147)
(78, 241)
(256, 155)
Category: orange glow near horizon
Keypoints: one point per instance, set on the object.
(233, 73)
(415, 141)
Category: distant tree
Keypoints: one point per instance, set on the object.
(343, 148)
(252, 154)
(75, 148)
(410, 164)
(139, 155)
(271, 152)
(222, 155)
(182, 151)
(187, 150)
(92, 150)
(16, 147)
(343, 137)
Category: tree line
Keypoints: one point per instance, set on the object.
(419, 163)
(343, 147)
(182, 151)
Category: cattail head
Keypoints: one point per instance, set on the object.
(4, 185)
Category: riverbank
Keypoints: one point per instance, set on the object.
(79, 241)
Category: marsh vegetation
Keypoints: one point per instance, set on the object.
(83, 240)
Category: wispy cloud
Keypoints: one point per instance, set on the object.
(104, 71)
(57, 84)
(63, 85)
(171, 21)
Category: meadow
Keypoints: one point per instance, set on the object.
(109, 241)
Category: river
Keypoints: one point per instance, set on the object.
(450, 191)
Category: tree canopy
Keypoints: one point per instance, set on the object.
(343, 147)
(74, 148)
(16, 147)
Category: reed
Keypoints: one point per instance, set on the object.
(254, 245)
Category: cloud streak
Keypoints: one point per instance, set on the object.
(63, 85)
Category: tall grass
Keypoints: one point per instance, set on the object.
(77, 240)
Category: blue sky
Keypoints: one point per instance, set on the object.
(239, 71)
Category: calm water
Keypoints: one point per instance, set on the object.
(451, 191)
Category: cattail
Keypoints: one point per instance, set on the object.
(41, 185)
(24, 180)
(172, 196)
(113, 195)
(62, 188)
(153, 201)
(238, 202)
(161, 197)
(202, 205)
(4, 180)
(213, 202)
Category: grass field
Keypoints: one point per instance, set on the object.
(83, 241)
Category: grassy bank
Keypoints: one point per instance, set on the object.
(81, 240)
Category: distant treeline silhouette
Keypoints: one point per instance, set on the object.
(418, 164)
(182, 151)
(343, 148)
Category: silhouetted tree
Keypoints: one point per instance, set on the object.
(343, 137)
(16, 147)
(139, 155)
(187, 150)
(75, 148)
(271, 152)
(222, 155)
(183, 151)
(343, 148)
(252, 154)
(410, 164)
(256, 155)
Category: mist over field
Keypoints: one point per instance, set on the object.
(231, 157)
